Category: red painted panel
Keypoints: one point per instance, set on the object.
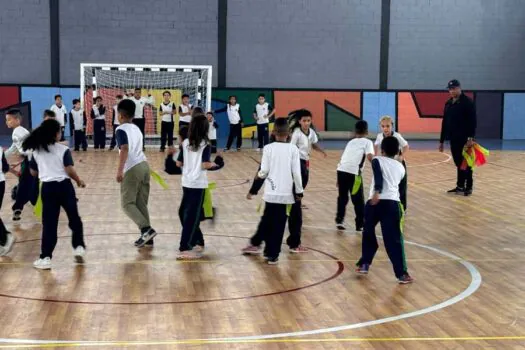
(9, 96)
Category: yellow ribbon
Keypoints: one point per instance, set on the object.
(357, 184)
(158, 179)
(207, 204)
(37, 210)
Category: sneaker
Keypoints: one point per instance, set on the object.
(359, 228)
(405, 279)
(457, 190)
(272, 261)
(340, 225)
(149, 244)
(299, 249)
(199, 249)
(188, 255)
(226, 150)
(468, 192)
(78, 253)
(145, 237)
(258, 150)
(8, 246)
(42, 264)
(363, 269)
(251, 250)
(17, 215)
(238, 149)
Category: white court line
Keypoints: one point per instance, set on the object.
(475, 283)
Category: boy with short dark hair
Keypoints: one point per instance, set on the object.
(281, 168)
(49, 114)
(166, 111)
(349, 178)
(384, 207)
(98, 114)
(114, 122)
(133, 173)
(61, 114)
(27, 186)
(185, 110)
(79, 122)
(262, 113)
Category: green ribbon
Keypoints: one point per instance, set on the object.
(357, 184)
(207, 205)
(158, 179)
(37, 210)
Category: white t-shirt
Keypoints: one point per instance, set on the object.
(115, 115)
(262, 111)
(140, 104)
(129, 134)
(19, 135)
(281, 168)
(193, 176)
(61, 113)
(169, 109)
(97, 114)
(233, 112)
(354, 155)
(185, 109)
(51, 164)
(392, 172)
(78, 119)
(212, 131)
(304, 142)
(402, 141)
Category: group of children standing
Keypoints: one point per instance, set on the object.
(284, 170)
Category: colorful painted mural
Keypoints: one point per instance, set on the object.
(418, 114)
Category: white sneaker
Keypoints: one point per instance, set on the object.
(79, 252)
(43, 264)
(258, 150)
(8, 246)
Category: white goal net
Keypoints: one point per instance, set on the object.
(110, 80)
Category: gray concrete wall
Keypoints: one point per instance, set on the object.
(303, 43)
(24, 42)
(479, 42)
(136, 31)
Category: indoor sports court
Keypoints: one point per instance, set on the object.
(277, 142)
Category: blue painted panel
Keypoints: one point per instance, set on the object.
(377, 104)
(42, 98)
(514, 116)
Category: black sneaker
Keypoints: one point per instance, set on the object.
(468, 192)
(162, 150)
(363, 269)
(457, 190)
(272, 261)
(145, 237)
(405, 279)
(340, 225)
(17, 215)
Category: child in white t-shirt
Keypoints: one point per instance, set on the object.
(387, 127)
(212, 132)
(349, 178)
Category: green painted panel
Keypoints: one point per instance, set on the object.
(338, 119)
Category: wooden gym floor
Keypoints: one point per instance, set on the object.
(466, 255)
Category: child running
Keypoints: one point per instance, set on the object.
(387, 126)
(133, 173)
(53, 164)
(27, 189)
(383, 207)
(194, 158)
(280, 167)
(349, 178)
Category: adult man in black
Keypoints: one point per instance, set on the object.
(459, 126)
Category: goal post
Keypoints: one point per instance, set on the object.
(108, 80)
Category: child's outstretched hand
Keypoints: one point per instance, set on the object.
(81, 183)
(375, 198)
